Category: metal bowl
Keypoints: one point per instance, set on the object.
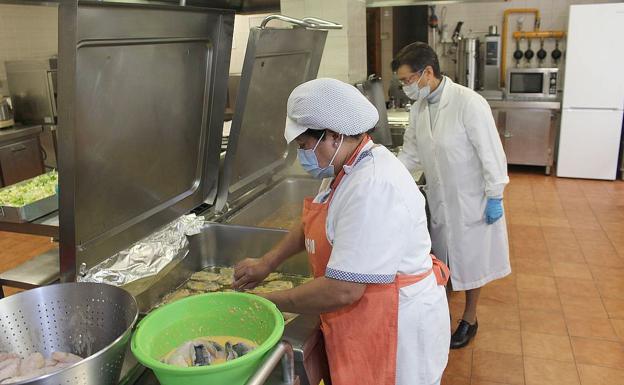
(87, 319)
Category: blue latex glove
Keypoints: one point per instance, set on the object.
(493, 210)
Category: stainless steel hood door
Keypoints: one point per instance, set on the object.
(276, 61)
(142, 96)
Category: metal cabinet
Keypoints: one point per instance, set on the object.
(528, 134)
(20, 161)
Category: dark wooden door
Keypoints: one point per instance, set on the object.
(373, 41)
(410, 24)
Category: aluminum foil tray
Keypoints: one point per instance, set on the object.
(29, 212)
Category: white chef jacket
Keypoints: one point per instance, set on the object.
(378, 228)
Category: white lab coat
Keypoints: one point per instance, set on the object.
(463, 160)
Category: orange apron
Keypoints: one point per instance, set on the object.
(360, 339)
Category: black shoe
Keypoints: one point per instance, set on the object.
(463, 334)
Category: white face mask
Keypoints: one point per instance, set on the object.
(413, 92)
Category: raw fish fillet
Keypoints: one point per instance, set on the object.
(9, 368)
(32, 363)
(66, 358)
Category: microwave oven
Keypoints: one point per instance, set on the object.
(532, 83)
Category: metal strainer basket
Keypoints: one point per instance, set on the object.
(87, 319)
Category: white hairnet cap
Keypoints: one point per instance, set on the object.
(328, 104)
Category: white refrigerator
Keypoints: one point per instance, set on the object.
(593, 92)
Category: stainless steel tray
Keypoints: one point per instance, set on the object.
(29, 212)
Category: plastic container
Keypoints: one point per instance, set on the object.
(215, 314)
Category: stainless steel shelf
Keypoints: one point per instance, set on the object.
(47, 226)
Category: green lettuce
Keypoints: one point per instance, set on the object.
(30, 191)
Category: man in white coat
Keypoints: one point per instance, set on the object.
(452, 137)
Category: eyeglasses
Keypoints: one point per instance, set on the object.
(410, 79)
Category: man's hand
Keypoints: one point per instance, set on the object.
(493, 210)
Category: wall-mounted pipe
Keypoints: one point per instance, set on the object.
(506, 15)
(539, 35)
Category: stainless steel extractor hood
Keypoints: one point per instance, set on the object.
(399, 3)
(241, 6)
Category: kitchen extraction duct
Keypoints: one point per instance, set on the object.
(399, 3)
(241, 6)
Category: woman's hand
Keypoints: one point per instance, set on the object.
(250, 272)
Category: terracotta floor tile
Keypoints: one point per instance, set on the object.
(598, 352)
(615, 307)
(618, 326)
(582, 307)
(600, 273)
(590, 235)
(611, 288)
(533, 266)
(507, 281)
(545, 193)
(611, 261)
(576, 287)
(599, 375)
(602, 254)
(460, 362)
(547, 346)
(492, 295)
(519, 193)
(522, 232)
(498, 340)
(448, 379)
(530, 248)
(537, 284)
(522, 205)
(554, 222)
(584, 223)
(558, 233)
(572, 270)
(540, 321)
(498, 367)
(565, 250)
(547, 372)
(591, 328)
(524, 219)
(482, 382)
(498, 317)
(529, 301)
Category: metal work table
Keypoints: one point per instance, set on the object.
(528, 129)
(18, 132)
(398, 121)
(531, 104)
(47, 226)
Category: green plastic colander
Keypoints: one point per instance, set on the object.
(215, 314)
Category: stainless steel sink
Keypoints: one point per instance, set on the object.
(225, 245)
(287, 193)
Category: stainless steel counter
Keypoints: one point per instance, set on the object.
(524, 104)
(528, 130)
(18, 132)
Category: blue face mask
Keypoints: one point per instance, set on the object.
(310, 164)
